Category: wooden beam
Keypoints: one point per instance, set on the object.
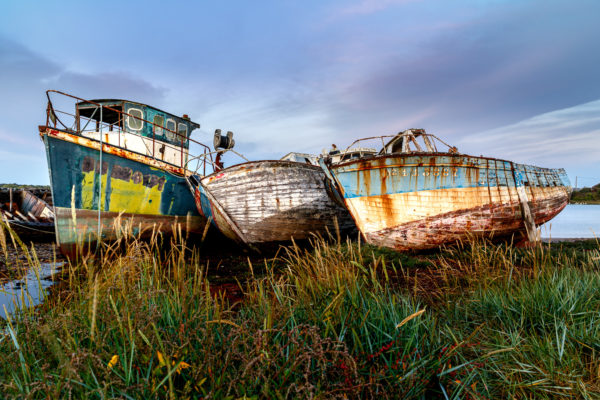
(528, 220)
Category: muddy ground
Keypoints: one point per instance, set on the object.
(13, 261)
(227, 262)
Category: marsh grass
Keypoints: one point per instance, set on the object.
(142, 319)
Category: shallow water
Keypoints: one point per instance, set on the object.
(29, 290)
(575, 221)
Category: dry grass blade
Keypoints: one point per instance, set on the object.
(410, 317)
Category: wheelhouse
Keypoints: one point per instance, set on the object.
(135, 118)
(127, 125)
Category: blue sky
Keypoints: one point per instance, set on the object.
(510, 79)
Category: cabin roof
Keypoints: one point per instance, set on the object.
(399, 136)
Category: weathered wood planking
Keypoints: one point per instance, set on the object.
(273, 201)
(423, 200)
(36, 206)
(30, 217)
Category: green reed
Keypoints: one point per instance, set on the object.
(141, 319)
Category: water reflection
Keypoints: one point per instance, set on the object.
(575, 221)
(28, 291)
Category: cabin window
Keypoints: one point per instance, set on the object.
(182, 131)
(171, 126)
(134, 119)
(159, 121)
(110, 117)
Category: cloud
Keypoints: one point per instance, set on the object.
(24, 78)
(270, 125)
(296, 78)
(23, 72)
(505, 63)
(566, 137)
(371, 6)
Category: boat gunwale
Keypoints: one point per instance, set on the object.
(273, 162)
(424, 153)
(148, 160)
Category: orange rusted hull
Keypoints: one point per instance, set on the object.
(421, 201)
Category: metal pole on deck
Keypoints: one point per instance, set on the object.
(100, 183)
(10, 195)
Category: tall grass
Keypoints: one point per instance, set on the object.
(335, 320)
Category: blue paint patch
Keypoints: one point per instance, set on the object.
(405, 173)
(67, 161)
(205, 209)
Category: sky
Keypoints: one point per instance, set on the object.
(517, 80)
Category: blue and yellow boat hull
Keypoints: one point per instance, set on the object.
(129, 194)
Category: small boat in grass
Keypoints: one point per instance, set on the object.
(265, 202)
(28, 213)
(118, 165)
(411, 196)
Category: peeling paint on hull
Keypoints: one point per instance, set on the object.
(82, 228)
(273, 201)
(137, 187)
(420, 201)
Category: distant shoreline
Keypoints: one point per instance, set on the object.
(569, 240)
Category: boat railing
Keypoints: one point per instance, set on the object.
(203, 159)
(407, 141)
(101, 125)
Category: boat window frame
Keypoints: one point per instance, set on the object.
(131, 117)
(157, 128)
(169, 132)
(182, 137)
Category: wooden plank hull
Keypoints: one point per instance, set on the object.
(420, 201)
(145, 194)
(79, 227)
(30, 217)
(273, 201)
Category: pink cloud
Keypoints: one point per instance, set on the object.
(372, 6)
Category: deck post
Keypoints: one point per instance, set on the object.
(100, 182)
(525, 209)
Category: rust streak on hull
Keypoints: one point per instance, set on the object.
(109, 149)
(420, 201)
(79, 226)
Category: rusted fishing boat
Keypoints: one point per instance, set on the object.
(120, 165)
(263, 202)
(28, 213)
(412, 196)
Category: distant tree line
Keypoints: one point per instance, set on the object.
(19, 186)
(588, 195)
